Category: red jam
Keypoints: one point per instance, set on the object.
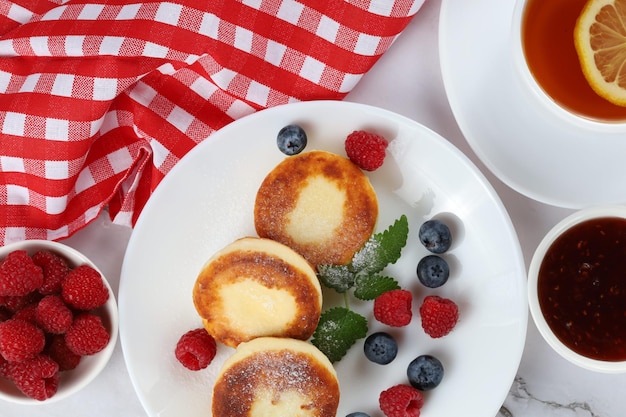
(582, 288)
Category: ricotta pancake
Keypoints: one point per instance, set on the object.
(276, 377)
(257, 287)
(318, 203)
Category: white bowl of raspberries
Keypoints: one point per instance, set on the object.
(58, 321)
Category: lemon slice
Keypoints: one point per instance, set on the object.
(600, 39)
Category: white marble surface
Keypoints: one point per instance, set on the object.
(406, 80)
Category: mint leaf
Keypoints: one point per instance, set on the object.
(338, 329)
(368, 287)
(381, 249)
(338, 277)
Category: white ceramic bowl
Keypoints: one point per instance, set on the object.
(90, 366)
(606, 366)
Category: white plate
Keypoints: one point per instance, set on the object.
(207, 202)
(528, 148)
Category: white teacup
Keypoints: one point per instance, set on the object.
(558, 105)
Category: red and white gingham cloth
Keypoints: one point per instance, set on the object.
(100, 99)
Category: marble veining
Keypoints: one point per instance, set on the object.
(522, 401)
(504, 412)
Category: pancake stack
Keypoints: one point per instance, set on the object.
(261, 296)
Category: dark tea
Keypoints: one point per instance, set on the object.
(548, 42)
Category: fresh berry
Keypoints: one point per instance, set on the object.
(54, 268)
(401, 401)
(84, 288)
(19, 275)
(358, 414)
(433, 271)
(18, 302)
(366, 149)
(291, 140)
(380, 347)
(196, 349)
(27, 313)
(425, 372)
(20, 340)
(439, 315)
(5, 368)
(59, 352)
(87, 335)
(435, 235)
(37, 377)
(53, 315)
(393, 308)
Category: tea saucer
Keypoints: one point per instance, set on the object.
(534, 152)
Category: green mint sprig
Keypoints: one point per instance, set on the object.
(339, 328)
(381, 249)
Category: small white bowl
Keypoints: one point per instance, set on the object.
(598, 365)
(74, 380)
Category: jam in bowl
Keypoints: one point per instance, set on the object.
(577, 288)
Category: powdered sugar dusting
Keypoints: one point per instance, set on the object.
(367, 252)
(277, 382)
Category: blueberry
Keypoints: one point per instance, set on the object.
(380, 348)
(358, 414)
(433, 271)
(291, 140)
(435, 236)
(425, 372)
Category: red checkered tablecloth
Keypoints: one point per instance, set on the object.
(100, 99)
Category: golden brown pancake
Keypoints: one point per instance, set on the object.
(318, 203)
(276, 377)
(257, 287)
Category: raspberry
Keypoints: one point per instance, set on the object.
(86, 335)
(59, 352)
(84, 289)
(18, 302)
(37, 377)
(401, 401)
(19, 275)
(54, 268)
(20, 340)
(195, 349)
(52, 315)
(439, 315)
(393, 308)
(365, 149)
(27, 313)
(4, 368)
